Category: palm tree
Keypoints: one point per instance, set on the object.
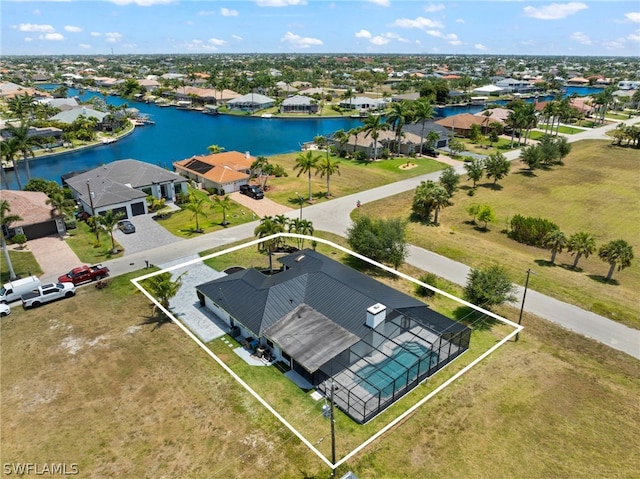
(439, 200)
(23, 142)
(215, 149)
(328, 166)
(617, 253)
(348, 95)
(225, 205)
(196, 206)
(373, 125)
(9, 148)
(355, 132)
(581, 244)
(397, 118)
(267, 227)
(301, 227)
(341, 137)
(423, 111)
(110, 220)
(60, 205)
(163, 288)
(555, 241)
(305, 162)
(5, 222)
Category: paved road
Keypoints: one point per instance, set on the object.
(334, 217)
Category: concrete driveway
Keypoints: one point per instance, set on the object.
(54, 256)
(149, 234)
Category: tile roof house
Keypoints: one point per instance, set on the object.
(123, 186)
(461, 124)
(38, 218)
(325, 320)
(251, 102)
(225, 172)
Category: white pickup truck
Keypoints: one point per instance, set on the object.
(46, 293)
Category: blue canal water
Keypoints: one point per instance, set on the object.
(179, 134)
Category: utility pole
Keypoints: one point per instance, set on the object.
(300, 200)
(524, 296)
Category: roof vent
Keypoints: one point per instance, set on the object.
(299, 258)
(376, 314)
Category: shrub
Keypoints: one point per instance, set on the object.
(430, 279)
(20, 239)
(530, 231)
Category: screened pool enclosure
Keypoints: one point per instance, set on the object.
(397, 356)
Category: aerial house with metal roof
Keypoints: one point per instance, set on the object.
(332, 324)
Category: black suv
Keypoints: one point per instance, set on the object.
(431, 152)
(252, 191)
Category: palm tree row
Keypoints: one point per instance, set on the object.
(271, 225)
(323, 164)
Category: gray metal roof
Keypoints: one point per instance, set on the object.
(297, 100)
(70, 116)
(330, 288)
(310, 337)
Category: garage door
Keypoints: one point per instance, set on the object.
(122, 210)
(40, 230)
(137, 208)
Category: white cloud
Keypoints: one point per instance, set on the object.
(32, 27)
(300, 42)
(581, 37)
(434, 7)
(95, 34)
(382, 3)
(28, 39)
(380, 40)
(633, 17)
(420, 22)
(216, 42)
(555, 11)
(237, 37)
(459, 20)
(279, 3)
(480, 47)
(634, 37)
(452, 38)
(84, 46)
(72, 29)
(363, 34)
(228, 13)
(143, 3)
(55, 37)
(113, 37)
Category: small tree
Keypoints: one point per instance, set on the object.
(475, 170)
(196, 206)
(497, 166)
(225, 205)
(581, 244)
(617, 253)
(430, 279)
(381, 240)
(20, 240)
(163, 288)
(475, 132)
(449, 180)
(555, 241)
(486, 215)
(490, 286)
(456, 146)
(110, 220)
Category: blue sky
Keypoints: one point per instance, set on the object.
(529, 27)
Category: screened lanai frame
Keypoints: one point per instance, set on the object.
(370, 376)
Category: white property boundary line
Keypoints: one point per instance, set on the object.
(517, 329)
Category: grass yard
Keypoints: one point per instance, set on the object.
(597, 191)
(354, 176)
(123, 397)
(23, 262)
(83, 243)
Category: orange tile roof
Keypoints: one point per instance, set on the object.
(462, 121)
(228, 166)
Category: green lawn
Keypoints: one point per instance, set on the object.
(23, 262)
(83, 243)
(596, 191)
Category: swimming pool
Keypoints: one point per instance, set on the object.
(397, 370)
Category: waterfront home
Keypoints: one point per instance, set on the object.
(512, 85)
(251, 102)
(123, 186)
(330, 323)
(461, 124)
(299, 104)
(221, 172)
(363, 103)
(69, 116)
(488, 90)
(37, 219)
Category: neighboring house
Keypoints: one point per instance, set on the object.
(299, 104)
(444, 134)
(461, 124)
(577, 81)
(251, 102)
(499, 115)
(123, 186)
(488, 90)
(38, 219)
(628, 85)
(512, 85)
(199, 96)
(326, 321)
(406, 96)
(285, 89)
(149, 85)
(61, 103)
(225, 172)
(363, 103)
(69, 116)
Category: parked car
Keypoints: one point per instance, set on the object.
(252, 191)
(431, 152)
(126, 227)
(84, 273)
(5, 310)
(46, 293)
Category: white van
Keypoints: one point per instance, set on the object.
(13, 290)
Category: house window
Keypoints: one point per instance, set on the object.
(286, 357)
(269, 343)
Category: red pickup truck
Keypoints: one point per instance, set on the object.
(84, 273)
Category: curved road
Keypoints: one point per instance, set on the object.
(334, 217)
